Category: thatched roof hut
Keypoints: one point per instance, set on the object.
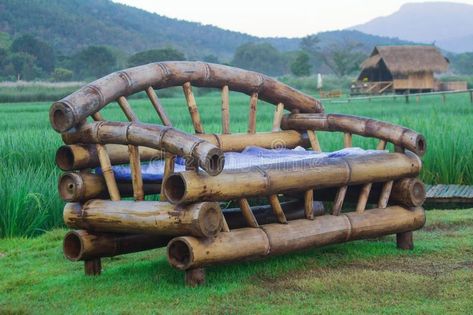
(408, 67)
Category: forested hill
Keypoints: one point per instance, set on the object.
(69, 25)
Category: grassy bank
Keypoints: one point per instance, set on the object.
(29, 203)
(363, 277)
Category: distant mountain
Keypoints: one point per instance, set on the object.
(70, 25)
(448, 25)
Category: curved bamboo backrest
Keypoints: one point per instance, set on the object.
(71, 110)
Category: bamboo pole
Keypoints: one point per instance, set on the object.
(314, 141)
(385, 193)
(83, 245)
(278, 178)
(252, 115)
(339, 199)
(243, 244)
(247, 213)
(225, 110)
(366, 127)
(192, 106)
(347, 140)
(71, 110)
(363, 198)
(158, 107)
(209, 157)
(278, 113)
(169, 164)
(74, 187)
(82, 156)
(309, 204)
(277, 209)
(108, 174)
(145, 217)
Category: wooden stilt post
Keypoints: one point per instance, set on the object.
(195, 277)
(93, 267)
(405, 240)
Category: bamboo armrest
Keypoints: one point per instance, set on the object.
(367, 127)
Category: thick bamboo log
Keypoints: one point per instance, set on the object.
(81, 156)
(252, 114)
(284, 177)
(192, 106)
(75, 187)
(225, 110)
(362, 126)
(408, 192)
(270, 140)
(158, 107)
(243, 244)
(145, 217)
(83, 245)
(209, 157)
(293, 210)
(71, 110)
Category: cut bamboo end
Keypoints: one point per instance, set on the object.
(192, 106)
(61, 116)
(153, 97)
(252, 115)
(225, 110)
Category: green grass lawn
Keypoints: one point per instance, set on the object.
(360, 277)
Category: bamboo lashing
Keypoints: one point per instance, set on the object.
(192, 106)
(134, 153)
(385, 193)
(247, 213)
(278, 113)
(225, 110)
(276, 205)
(314, 141)
(158, 107)
(252, 114)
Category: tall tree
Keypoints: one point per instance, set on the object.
(301, 65)
(21, 66)
(261, 57)
(94, 61)
(42, 52)
(155, 55)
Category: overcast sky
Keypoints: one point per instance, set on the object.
(291, 18)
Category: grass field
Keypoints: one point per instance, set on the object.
(363, 277)
(29, 203)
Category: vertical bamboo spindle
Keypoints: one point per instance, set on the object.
(309, 204)
(347, 140)
(363, 198)
(314, 141)
(252, 115)
(339, 198)
(157, 106)
(108, 173)
(385, 193)
(278, 113)
(277, 209)
(381, 145)
(169, 162)
(247, 213)
(97, 116)
(225, 227)
(225, 110)
(135, 162)
(192, 106)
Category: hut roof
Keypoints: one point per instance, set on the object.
(407, 59)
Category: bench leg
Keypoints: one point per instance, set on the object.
(405, 240)
(195, 277)
(93, 267)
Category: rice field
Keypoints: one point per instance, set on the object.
(29, 203)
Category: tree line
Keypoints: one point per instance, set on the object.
(27, 58)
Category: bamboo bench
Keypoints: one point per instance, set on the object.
(380, 191)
